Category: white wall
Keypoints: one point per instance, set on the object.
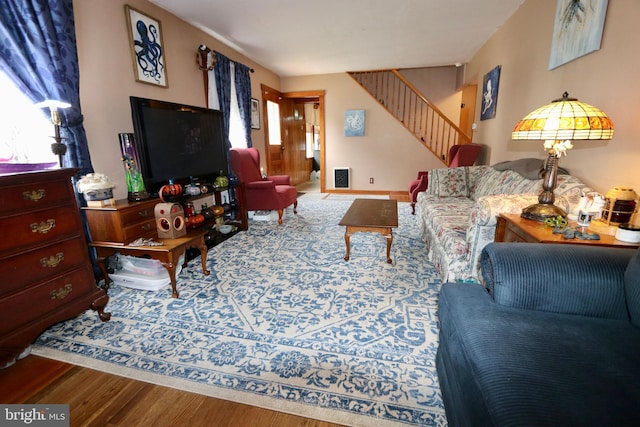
(388, 152)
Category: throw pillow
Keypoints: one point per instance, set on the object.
(455, 183)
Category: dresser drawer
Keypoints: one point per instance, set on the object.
(145, 229)
(30, 303)
(22, 269)
(29, 196)
(36, 228)
(140, 214)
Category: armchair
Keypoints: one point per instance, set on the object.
(459, 155)
(553, 339)
(272, 193)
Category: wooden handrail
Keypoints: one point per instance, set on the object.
(411, 108)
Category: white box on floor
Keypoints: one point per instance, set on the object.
(143, 273)
(138, 281)
(263, 215)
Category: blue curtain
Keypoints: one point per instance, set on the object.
(38, 52)
(223, 82)
(243, 92)
(242, 80)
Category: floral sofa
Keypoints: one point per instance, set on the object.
(457, 214)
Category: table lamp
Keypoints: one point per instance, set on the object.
(559, 123)
(57, 147)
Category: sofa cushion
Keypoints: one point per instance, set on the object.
(505, 182)
(455, 184)
(522, 367)
(632, 288)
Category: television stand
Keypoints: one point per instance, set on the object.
(114, 227)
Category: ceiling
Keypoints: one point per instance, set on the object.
(305, 37)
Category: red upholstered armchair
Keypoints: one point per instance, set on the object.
(271, 193)
(459, 155)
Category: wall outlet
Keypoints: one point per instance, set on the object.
(370, 180)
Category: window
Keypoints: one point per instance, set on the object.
(25, 130)
(273, 116)
(237, 135)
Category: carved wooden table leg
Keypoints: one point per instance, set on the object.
(203, 256)
(102, 264)
(171, 269)
(389, 236)
(347, 240)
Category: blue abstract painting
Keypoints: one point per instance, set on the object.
(577, 30)
(490, 93)
(354, 123)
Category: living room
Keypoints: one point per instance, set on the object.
(521, 47)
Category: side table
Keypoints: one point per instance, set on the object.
(514, 228)
(168, 253)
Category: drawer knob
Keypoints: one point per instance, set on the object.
(61, 293)
(53, 260)
(34, 195)
(146, 227)
(44, 227)
(143, 213)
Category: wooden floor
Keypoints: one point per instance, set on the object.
(99, 399)
(401, 196)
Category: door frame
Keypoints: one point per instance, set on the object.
(273, 94)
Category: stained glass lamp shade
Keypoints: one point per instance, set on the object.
(557, 124)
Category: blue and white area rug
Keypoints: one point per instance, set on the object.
(283, 322)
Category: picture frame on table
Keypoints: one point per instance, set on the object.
(147, 48)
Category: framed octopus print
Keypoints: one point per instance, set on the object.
(147, 48)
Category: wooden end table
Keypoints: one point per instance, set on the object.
(514, 228)
(372, 215)
(168, 253)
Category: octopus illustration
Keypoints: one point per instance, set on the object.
(149, 51)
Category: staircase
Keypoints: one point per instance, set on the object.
(423, 119)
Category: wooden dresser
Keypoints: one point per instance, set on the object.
(45, 270)
(123, 222)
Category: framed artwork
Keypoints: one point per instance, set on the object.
(255, 114)
(147, 48)
(577, 30)
(490, 85)
(354, 123)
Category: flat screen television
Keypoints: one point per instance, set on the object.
(176, 141)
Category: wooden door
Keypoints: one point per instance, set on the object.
(286, 150)
(468, 109)
(273, 101)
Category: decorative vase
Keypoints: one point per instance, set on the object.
(136, 190)
(221, 181)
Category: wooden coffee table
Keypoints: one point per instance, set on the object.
(373, 215)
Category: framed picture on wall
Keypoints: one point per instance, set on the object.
(577, 30)
(490, 85)
(147, 48)
(255, 114)
(354, 123)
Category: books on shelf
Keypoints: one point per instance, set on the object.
(101, 203)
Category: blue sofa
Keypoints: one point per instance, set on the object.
(551, 339)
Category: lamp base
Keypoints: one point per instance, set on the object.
(540, 211)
